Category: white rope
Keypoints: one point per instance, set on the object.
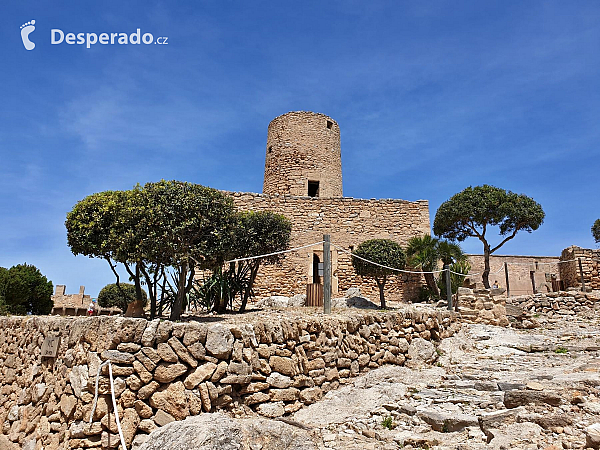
(112, 392)
(274, 253)
(382, 265)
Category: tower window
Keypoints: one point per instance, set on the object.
(270, 149)
(313, 188)
(329, 124)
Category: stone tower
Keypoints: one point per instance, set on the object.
(303, 156)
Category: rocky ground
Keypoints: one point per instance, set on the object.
(491, 388)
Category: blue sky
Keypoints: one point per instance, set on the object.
(431, 97)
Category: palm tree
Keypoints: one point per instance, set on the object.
(422, 253)
(449, 252)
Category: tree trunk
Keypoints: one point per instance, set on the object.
(138, 284)
(381, 285)
(431, 284)
(486, 269)
(178, 303)
(248, 289)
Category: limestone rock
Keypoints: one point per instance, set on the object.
(165, 373)
(275, 301)
(219, 432)
(219, 341)
(149, 335)
(79, 378)
(297, 300)
(278, 380)
(448, 422)
(512, 399)
(5, 444)
(129, 424)
(283, 365)
(162, 418)
(166, 353)
(271, 409)
(592, 436)
(171, 399)
(420, 352)
(201, 374)
(118, 357)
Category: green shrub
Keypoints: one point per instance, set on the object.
(119, 296)
(24, 290)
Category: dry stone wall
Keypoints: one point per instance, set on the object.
(164, 371)
(349, 221)
(557, 304)
(481, 306)
(590, 262)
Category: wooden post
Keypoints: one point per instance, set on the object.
(327, 274)
(581, 272)
(506, 277)
(448, 287)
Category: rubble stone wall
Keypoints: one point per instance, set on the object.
(349, 221)
(590, 262)
(165, 371)
(481, 307)
(556, 304)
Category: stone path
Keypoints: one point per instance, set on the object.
(491, 388)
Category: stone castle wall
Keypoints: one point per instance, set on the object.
(519, 270)
(62, 300)
(166, 371)
(302, 147)
(590, 262)
(349, 221)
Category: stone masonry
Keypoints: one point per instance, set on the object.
(349, 221)
(303, 147)
(62, 300)
(271, 362)
(521, 269)
(303, 181)
(590, 262)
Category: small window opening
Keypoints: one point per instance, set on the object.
(313, 188)
(351, 247)
(270, 149)
(329, 124)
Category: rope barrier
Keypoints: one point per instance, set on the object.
(381, 265)
(112, 392)
(399, 270)
(274, 253)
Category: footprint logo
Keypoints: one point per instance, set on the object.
(26, 30)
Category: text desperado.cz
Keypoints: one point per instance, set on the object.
(57, 36)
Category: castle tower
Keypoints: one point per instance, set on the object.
(303, 156)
